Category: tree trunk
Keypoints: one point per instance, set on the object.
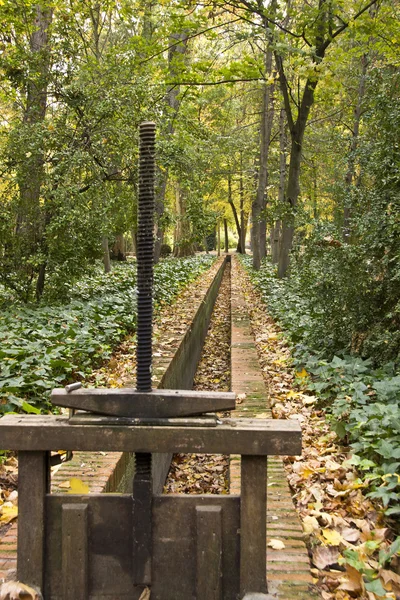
(118, 249)
(234, 211)
(134, 240)
(218, 239)
(183, 245)
(292, 194)
(226, 236)
(31, 218)
(276, 232)
(349, 178)
(242, 213)
(175, 54)
(40, 280)
(258, 229)
(106, 255)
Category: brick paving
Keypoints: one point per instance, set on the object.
(288, 570)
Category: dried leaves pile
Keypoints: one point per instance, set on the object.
(349, 544)
(169, 326)
(208, 473)
(8, 492)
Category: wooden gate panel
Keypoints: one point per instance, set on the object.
(175, 549)
(109, 545)
(89, 542)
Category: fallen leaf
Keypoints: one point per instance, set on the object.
(145, 595)
(307, 400)
(332, 537)
(65, 485)
(350, 535)
(324, 556)
(8, 512)
(276, 544)
(353, 581)
(302, 374)
(78, 487)
(14, 590)
(310, 525)
(293, 394)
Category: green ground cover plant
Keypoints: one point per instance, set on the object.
(359, 395)
(47, 345)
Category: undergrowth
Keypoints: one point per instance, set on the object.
(45, 346)
(360, 397)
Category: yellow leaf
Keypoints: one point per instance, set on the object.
(302, 374)
(332, 537)
(8, 512)
(276, 544)
(64, 485)
(78, 487)
(293, 394)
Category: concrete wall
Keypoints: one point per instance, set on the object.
(179, 375)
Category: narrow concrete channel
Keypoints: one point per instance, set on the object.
(206, 473)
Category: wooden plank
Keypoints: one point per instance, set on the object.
(84, 418)
(109, 541)
(266, 437)
(259, 597)
(33, 485)
(142, 520)
(175, 545)
(128, 402)
(209, 552)
(75, 551)
(253, 525)
(110, 527)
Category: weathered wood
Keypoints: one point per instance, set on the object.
(84, 418)
(127, 402)
(109, 540)
(33, 485)
(110, 526)
(259, 597)
(209, 552)
(142, 520)
(175, 546)
(233, 436)
(253, 525)
(75, 551)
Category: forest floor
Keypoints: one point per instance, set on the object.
(208, 473)
(347, 537)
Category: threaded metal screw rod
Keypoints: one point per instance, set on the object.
(142, 483)
(145, 251)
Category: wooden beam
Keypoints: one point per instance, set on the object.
(209, 552)
(75, 551)
(127, 402)
(260, 437)
(253, 525)
(142, 501)
(33, 485)
(85, 418)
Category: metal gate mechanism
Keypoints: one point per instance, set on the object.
(114, 546)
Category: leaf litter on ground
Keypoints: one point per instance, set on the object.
(352, 551)
(208, 473)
